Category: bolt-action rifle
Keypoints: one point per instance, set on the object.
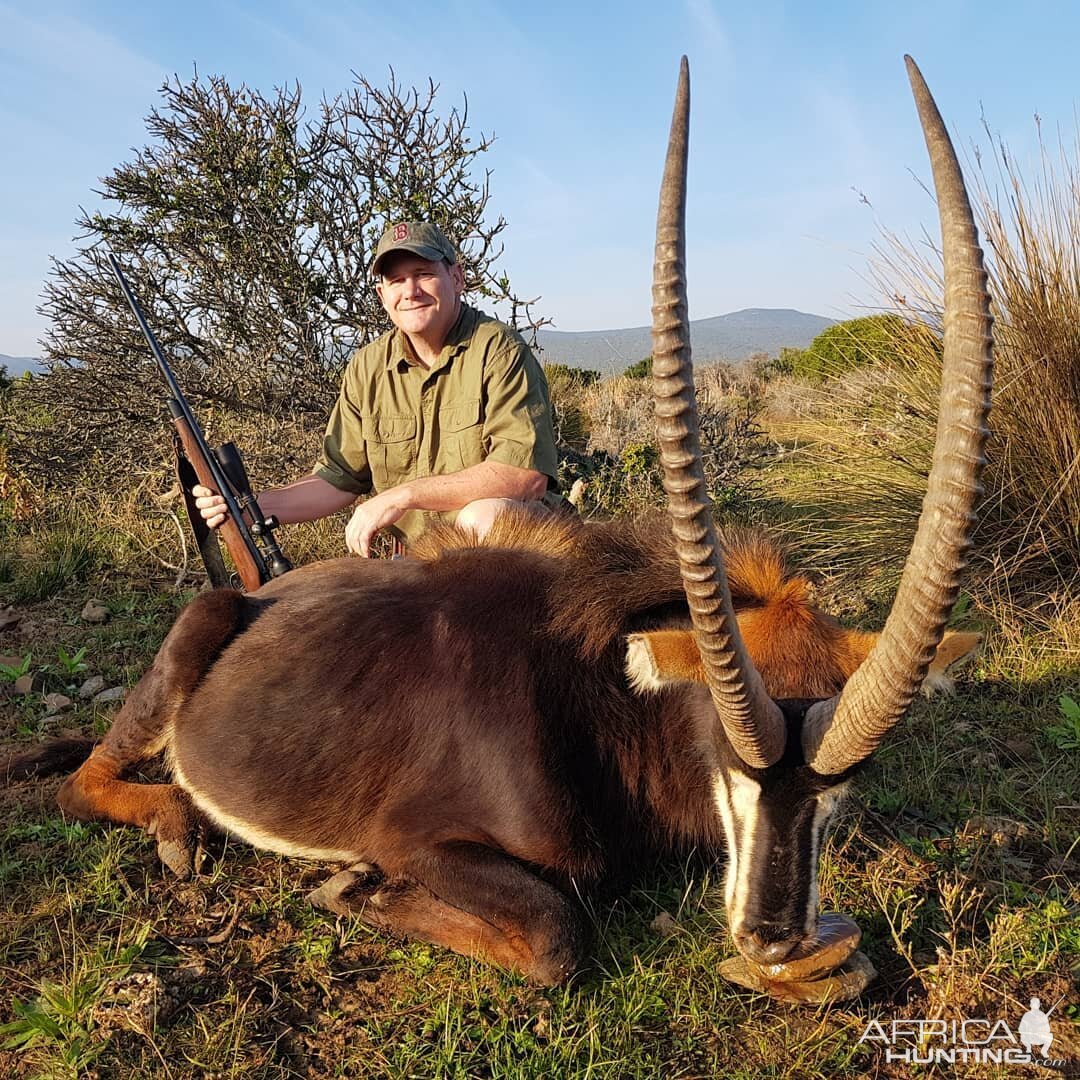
(248, 535)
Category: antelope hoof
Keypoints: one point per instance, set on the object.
(180, 844)
(178, 856)
(555, 968)
(347, 891)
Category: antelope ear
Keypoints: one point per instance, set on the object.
(956, 648)
(662, 657)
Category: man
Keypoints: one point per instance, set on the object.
(446, 415)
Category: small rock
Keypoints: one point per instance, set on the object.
(55, 703)
(9, 619)
(94, 685)
(107, 697)
(12, 661)
(24, 684)
(94, 611)
(664, 924)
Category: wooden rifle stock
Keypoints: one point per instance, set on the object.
(251, 572)
(247, 534)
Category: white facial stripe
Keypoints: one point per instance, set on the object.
(720, 797)
(745, 794)
(738, 801)
(253, 834)
(827, 802)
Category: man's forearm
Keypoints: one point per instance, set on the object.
(305, 500)
(488, 480)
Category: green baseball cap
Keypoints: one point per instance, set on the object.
(418, 237)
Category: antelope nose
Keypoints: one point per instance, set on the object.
(769, 943)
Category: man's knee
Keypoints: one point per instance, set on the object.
(481, 514)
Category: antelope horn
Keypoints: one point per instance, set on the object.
(752, 721)
(843, 731)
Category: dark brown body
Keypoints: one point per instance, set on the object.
(432, 703)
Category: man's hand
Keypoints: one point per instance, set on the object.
(377, 513)
(211, 506)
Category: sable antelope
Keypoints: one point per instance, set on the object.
(459, 729)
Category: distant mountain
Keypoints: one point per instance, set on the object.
(725, 337)
(16, 365)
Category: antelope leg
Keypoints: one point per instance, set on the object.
(144, 727)
(476, 901)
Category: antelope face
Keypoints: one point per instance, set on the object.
(775, 821)
(774, 818)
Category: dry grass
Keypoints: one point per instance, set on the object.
(605, 433)
(873, 430)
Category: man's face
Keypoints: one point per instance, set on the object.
(421, 296)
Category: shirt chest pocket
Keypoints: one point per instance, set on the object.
(390, 442)
(461, 434)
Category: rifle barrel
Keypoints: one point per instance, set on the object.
(181, 410)
(155, 348)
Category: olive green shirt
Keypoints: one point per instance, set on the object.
(484, 399)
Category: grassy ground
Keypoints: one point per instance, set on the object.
(958, 857)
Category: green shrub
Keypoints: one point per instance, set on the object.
(641, 370)
(638, 459)
(569, 419)
(844, 346)
(787, 362)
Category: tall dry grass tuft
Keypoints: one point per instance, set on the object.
(871, 434)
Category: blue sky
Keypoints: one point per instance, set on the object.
(796, 108)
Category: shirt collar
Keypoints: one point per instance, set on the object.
(401, 354)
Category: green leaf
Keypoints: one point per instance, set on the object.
(16, 671)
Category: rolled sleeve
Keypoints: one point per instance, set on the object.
(343, 461)
(517, 413)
